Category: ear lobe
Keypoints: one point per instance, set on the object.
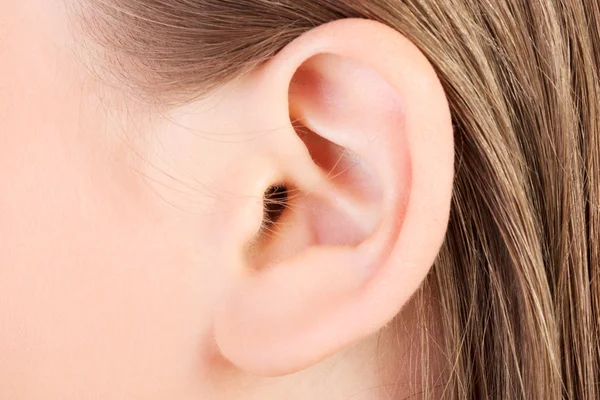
(358, 238)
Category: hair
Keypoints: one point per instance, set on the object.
(517, 277)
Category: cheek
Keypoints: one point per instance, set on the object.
(97, 298)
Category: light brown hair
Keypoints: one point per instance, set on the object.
(518, 274)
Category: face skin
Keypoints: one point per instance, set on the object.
(124, 230)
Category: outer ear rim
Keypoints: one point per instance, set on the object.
(383, 287)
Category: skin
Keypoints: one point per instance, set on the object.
(125, 231)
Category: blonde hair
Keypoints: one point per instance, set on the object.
(517, 277)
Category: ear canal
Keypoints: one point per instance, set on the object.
(275, 203)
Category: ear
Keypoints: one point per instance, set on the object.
(359, 201)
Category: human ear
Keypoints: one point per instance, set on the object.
(362, 171)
